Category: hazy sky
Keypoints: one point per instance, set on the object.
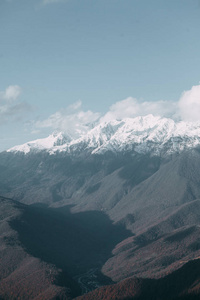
(69, 62)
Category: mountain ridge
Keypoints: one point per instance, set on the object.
(144, 134)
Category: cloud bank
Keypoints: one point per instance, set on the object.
(131, 107)
(189, 104)
(75, 121)
(187, 108)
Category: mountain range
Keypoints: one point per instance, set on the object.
(142, 134)
(117, 207)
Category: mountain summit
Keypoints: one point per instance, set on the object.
(145, 134)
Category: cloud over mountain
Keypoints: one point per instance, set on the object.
(76, 121)
(189, 104)
(132, 107)
(187, 108)
(72, 119)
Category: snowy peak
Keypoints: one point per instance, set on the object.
(52, 141)
(141, 134)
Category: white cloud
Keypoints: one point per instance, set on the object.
(75, 106)
(11, 93)
(11, 109)
(72, 120)
(187, 108)
(131, 107)
(75, 121)
(189, 104)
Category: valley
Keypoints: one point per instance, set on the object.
(83, 223)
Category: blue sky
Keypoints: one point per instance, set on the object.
(67, 61)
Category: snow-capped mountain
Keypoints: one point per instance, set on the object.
(87, 196)
(141, 134)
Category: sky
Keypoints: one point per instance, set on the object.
(67, 63)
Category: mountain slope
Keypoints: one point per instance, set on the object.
(47, 253)
(22, 275)
(183, 284)
(159, 249)
(152, 197)
(141, 174)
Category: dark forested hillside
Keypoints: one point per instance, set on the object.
(98, 219)
(183, 284)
